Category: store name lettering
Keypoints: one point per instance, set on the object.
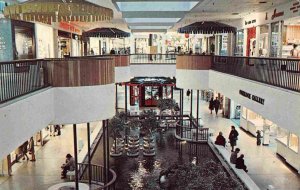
(252, 97)
(250, 22)
(275, 14)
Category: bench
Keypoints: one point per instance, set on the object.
(241, 174)
(71, 175)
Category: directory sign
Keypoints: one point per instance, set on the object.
(6, 48)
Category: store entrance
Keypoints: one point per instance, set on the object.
(146, 91)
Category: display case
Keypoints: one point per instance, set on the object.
(294, 142)
(290, 151)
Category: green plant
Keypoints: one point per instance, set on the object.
(149, 122)
(116, 125)
(164, 104)
(208, 175)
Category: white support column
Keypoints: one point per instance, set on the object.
(245, 42)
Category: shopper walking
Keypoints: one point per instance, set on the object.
(217, 106)
(211, 105)
(25, 150)
(31, 149)
(233, 136)
(258, 138)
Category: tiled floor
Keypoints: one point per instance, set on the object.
(265, 168)
(45, 172)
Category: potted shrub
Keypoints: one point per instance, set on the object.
(149, 124)
(133, 127)
(116, 125)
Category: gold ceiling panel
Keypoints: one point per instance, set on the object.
(57, 11)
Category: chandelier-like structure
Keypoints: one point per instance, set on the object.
(48, 11)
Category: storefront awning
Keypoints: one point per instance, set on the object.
(106, 33)
(48, 11)
(207, 27)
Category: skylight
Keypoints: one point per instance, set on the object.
(156, 5)
(152, 20)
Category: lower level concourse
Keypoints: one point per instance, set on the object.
(264, 166)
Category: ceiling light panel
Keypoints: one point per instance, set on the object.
(156, 5)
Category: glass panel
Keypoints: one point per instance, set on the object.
(294, 142)
(263, 41)
(274, 40)
(239, 49)
(282, 135)
(244, 112)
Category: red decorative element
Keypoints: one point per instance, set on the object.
(251, 33)
(186, 35)
(68, 27)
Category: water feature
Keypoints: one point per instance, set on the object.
(143, 172)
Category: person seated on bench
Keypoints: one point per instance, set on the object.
(234, 155)
(240, 163)
(68, 166)
(220, 140)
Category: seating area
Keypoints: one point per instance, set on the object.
(241, 174)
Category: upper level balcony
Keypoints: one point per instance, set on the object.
(18, 78)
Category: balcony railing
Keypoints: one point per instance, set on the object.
(190, 130)
(283, 73)
(18, 78)
(153, 59)
(97, 176)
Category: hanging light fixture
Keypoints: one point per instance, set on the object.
(48, 11)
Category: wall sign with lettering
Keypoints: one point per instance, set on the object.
(250, 22)
(252, 97)
(6, 49)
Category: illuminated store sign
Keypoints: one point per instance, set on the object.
(252, 97)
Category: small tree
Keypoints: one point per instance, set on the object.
(149, 123)
(133, 124)
(116, 125)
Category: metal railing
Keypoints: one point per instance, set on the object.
(18, 78)
(153, 59)
(189, 130)
(97, 176)
(283, 73)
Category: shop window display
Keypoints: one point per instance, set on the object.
(24, 41)
(239, 43)
(282, 135)
(275, 37)
(293, 142)
(263, 41)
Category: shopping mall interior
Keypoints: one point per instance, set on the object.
(150, 94)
